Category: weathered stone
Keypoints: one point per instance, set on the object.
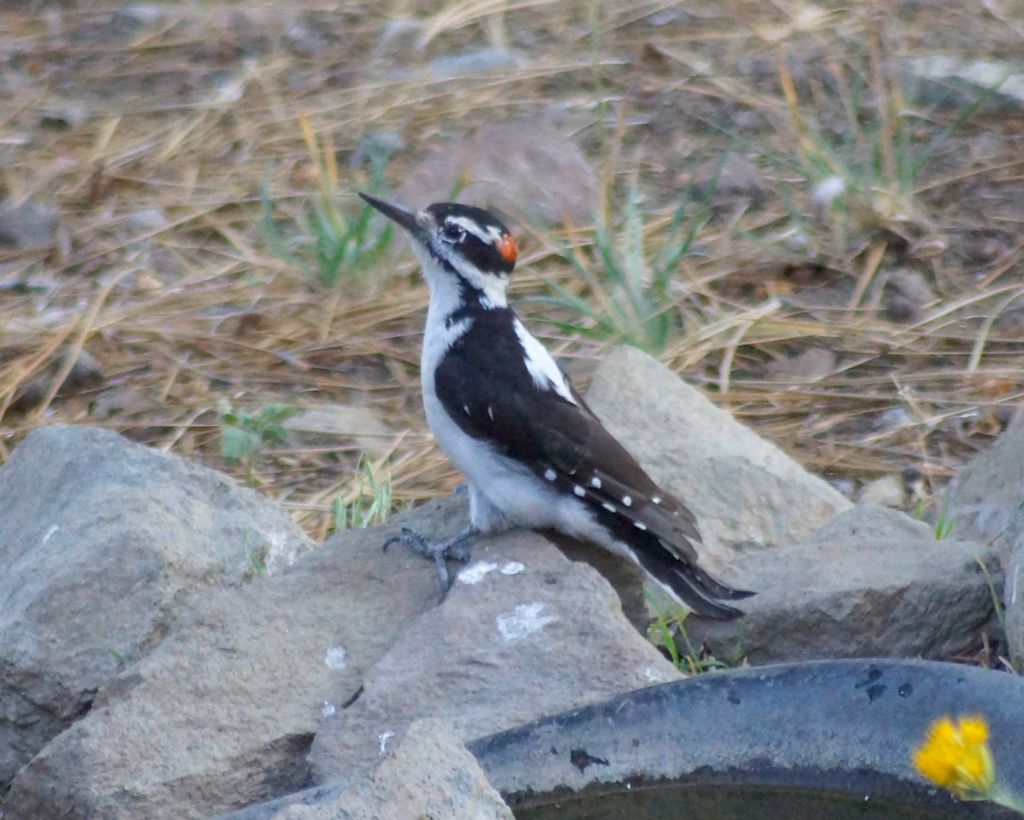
(887, 490)
(222, 713)
(733, 177)
(327, 423)
(806, 367)
(986, 504)
(744, 490)
(509, 166)
(523, 633)
(428, 775)
(872, 522)
(872, 583)
(1013, 608)
(99, 541)
(28, 224)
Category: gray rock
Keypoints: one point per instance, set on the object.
(745, 492)
(428, 775)
(806, 367)
(221, 715)
(27, 225)
(523, 633)
(939, 75)
(900, 293)
(986, 504)
(1013, 608)
(85, 374)
(313, 796)
(100, 539)
(731, 177)
(147, 219)
(326, 424)
(872, 583)
(509, 166)
(64, 117)
(887, 490)
(872, 522)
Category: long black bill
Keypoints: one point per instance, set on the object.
(404, 217)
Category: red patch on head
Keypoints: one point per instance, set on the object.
(507, 248)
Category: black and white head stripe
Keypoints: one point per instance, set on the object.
(476, 235)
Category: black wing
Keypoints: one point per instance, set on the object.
(487, 388)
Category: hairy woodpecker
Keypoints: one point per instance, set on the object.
(533, 453)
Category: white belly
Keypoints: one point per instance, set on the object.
(504, 493)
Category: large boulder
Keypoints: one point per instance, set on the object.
(523, 633)
(101, 540)
(428, 774)
(872, 583)
(745, 492)
(508, 166)
(986, 502)
(221, 713)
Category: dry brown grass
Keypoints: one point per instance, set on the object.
(187, 111)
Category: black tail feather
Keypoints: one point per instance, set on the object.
(716, 589)
(686, 581)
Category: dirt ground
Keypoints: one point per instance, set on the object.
(174, 175)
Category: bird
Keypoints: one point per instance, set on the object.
(533, 453)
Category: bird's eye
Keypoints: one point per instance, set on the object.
(454, 233)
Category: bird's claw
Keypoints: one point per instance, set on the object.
(454, 548)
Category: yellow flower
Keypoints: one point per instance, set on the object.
(957, 757)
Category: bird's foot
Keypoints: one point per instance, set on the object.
(455, 548)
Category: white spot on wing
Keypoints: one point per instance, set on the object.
(475, 573)
(513, 568)
(627, 501)
(608, 507)
(640, 525)
(524, 621)
(465, 408)
(542, 368)
(550, 474)
(336, 658)
(579, 491)
(490, 412)
(656, 499)
(595, 482)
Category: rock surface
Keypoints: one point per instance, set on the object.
(507, 166)
(28, 224)
(222, 714)
(324, 425)
(872, 583)
(1013, 607)
(428, 775)
(523, 633)
(745, 492)
(100, 539)
(986, 504)
(136, 610)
